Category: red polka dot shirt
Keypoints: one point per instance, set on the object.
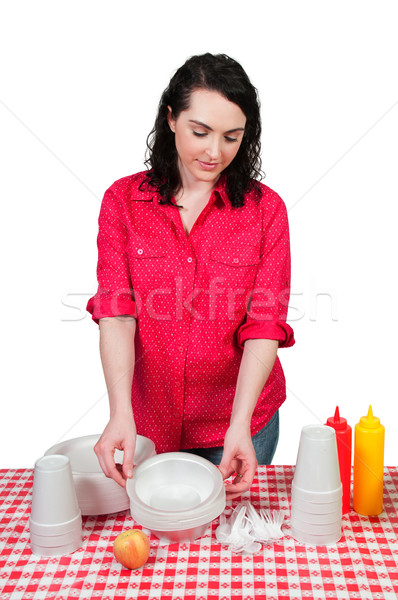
(196, 298)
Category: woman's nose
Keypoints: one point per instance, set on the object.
(213, 149)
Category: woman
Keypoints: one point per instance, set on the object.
(194, 278)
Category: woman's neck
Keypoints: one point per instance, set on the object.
(192, 188)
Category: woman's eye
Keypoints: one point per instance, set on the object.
(227, 138)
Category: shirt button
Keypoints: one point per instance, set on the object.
(180, 348)
(189, 259)
(140, 251)
(236, 260)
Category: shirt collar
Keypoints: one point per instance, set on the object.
(219, 191)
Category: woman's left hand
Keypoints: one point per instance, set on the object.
(238, 457)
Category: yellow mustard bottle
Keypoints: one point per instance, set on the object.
(368, 466)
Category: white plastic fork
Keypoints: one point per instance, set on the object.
(266, 526)
(236, 531)
(273, 520)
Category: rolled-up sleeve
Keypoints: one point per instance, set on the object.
(114, 294)
(268, 305)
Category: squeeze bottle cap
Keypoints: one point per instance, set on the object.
(337, 422)
(370, 421)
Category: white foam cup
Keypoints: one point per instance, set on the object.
(317, 466)
(316, 518)
(323, 539)
(327, 497)
(55, 529)
(55, 550)
(55, 521)
(316, 508)
(51, 541)
(316, 528)
(54, 498)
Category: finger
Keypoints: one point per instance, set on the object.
(111, 469)
(115, 474)
(225, 468)
(251, 470)
(107, 463)
(240, 487)
(230, 496)
(227, 474)
(98, 451)
(237, 479)
(233, 491)
(228, 465)
(128, 459)
(242, 481)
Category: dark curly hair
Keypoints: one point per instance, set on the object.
(224, 75)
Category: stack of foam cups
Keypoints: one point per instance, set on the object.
(55, 520)
(316, 511)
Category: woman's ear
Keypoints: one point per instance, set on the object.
(171, 120)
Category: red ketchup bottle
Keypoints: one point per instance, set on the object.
(344, 444)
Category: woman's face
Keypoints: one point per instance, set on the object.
(207, 136)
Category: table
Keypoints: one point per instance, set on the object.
(362, 565)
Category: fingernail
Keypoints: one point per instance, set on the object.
(129, 473)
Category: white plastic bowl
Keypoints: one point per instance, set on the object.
(176, 495)
(96, 493)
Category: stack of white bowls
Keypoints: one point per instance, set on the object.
(316, 510)
(176, 495)
(55, 520)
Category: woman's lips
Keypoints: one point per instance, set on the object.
(207, 166)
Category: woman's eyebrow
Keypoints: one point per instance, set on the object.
(210, 129)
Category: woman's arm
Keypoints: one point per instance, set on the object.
(239, 456)
(118, 357)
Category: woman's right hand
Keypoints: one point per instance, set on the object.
(119, 434)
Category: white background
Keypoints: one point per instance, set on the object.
(80, 83)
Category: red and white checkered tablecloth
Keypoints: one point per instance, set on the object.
(362, 565)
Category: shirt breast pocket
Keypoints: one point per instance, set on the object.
(237, 258)
(235, 268)
(147, 262)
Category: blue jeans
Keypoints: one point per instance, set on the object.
(264, 442)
